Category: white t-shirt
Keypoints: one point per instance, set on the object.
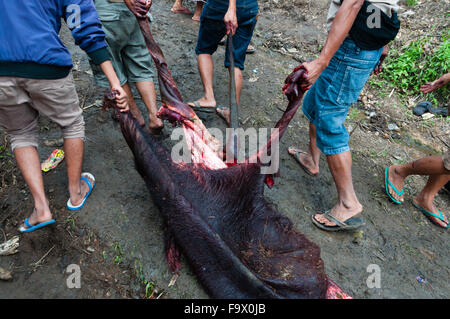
(387, 6)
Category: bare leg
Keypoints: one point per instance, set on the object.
(238, 78)
(147, 91)
(74, 150)
(206, 70)
(438, 177)
(429, 165)
(179, 8)
(29, 164)
(198, 11)
(133, 107)
(348, 204)
(426, 197)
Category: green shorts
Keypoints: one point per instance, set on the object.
(126, 45)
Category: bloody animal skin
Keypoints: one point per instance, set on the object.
(237, 244)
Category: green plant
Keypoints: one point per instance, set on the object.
(118, 258)
(421, 61)
(411, 2)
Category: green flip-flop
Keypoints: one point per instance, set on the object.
(427, 213)
(388, 183)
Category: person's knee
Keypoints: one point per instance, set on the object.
(75, 130)
(23, 141)
(26, 136)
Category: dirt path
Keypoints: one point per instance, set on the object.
(124, 230)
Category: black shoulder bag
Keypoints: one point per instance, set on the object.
(369, 36)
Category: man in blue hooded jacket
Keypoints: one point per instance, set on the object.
(35, 78)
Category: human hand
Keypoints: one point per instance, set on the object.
(121, 98)
(293, 82)
(384, 54)
(313, 69)
(139, 7)
(433, 86)
(230, 20)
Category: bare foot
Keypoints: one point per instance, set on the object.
(196, 18)
(180, 9)
(155, 125)
(224, 113)
(398, 181)
(204, 102)
(341, 212)
(137, 115)
(429, 206)
(250, 49)
(38, 217)
(305, 160)
(76, 199)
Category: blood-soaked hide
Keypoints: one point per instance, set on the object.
(238, 245)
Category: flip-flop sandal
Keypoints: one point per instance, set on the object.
(422, 108)
(31, 228)
(388, 183)
(301, 165)
(91, 187)
(443, 111)
(56, 157)
(349, 224)
(222, 109)
(428, 214)
(250, 50)
(198, 108)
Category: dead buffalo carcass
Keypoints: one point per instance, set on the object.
(238, 245)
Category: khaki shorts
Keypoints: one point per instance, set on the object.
(22, 100)
(446, 159)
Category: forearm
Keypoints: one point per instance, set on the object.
(232, 5)
(342, 24)
(110, 74)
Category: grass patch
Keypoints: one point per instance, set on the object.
(416, 63)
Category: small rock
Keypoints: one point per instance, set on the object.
(357, 237)
(427, 116)
(5, 274)
(90, 249)
(393, 127)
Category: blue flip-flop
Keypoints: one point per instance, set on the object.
(387, 183)
(427, 213)
(91, 187)
(31, 228)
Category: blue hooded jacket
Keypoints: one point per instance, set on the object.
(29, 42)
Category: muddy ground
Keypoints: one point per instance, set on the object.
(117, 239)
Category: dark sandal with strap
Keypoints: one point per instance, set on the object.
(349, 224)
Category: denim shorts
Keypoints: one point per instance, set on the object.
(327, 102)
(212, 29)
